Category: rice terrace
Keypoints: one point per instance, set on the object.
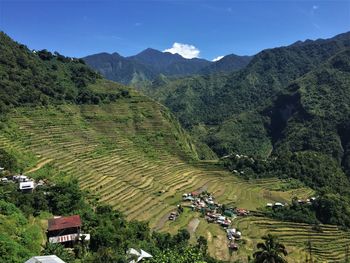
(174, 131)
(100, 146)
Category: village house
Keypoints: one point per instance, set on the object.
(26, 187)
(278, 204)
(4, 180)
(242, 212)
(20, 178)
(65, 230)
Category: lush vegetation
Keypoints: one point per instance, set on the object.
(289, 109)
(252, 101)
(134, 160)
(111, 234)
(40, 78)
(270, 251)
(8, 161)
(316, 170)
(227, 64)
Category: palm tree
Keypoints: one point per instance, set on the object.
(270, 251)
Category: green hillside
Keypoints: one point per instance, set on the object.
(40, 78)
(136, 165)
(62, 120)
(319, 99)
(230, 104)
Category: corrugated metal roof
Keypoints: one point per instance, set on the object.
(45, 259)
(26, 185)
(64, 222)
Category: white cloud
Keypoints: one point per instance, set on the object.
(185, 50)
(315, 7)
(217, 58)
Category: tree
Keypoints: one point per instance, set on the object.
(270, 251)
(182, 236)
(202, 244)
(81, 249)
(187, 255)
(7, 160)
(58, 250)
(105, 255)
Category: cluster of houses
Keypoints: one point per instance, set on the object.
(216, 213)
(307, 201)
(25, 183)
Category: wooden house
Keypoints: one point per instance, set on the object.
(64, 230)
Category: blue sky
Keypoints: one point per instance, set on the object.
(213, 28)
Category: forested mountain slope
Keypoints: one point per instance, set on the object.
(40, 78)
(124, 148)
(149, 64)
(313, 112)
(224, 109)
(117, 68)
(290, 109)
(169, 64)
(227, 64)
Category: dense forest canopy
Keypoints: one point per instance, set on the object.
(235, 109)
(40, 78)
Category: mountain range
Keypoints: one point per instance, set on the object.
(150, 63)
(284, 112)
(232, 110)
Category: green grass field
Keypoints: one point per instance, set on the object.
(133, 155)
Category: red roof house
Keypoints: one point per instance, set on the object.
(64, 230)
(195, 193)
(61, 223)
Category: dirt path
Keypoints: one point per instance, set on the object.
(39, 165)
(192, 225)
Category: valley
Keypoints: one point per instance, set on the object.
(267, 133)
(127, 156)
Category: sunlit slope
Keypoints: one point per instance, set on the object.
(328, 243)
(133, 155)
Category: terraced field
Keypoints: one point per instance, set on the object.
(134, 156)
(328, 243)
